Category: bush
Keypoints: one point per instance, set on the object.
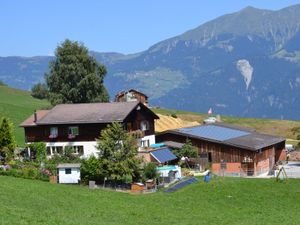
(39, 91)
(150, 171)
(174, 115)
(40, 151)
(27, 172)
(2, 83)
(90, 170)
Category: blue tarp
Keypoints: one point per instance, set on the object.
(157, 145)
(163, 155)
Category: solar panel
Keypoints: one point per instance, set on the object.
(213, 132)
(163, 155)
(181, 184)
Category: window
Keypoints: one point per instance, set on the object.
(144, 143)
(78, 150)
(48, 150)
(57, 150)
(144, 125)
(73, 131)
(53, 132)
(68, 171)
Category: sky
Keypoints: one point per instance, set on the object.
(35, 27)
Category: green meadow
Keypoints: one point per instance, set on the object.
(221, 201)
(17, 105)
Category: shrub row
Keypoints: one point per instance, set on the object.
(27, 173)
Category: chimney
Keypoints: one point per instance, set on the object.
(35, 116)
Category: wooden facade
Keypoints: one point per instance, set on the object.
(131, 95)
(90, 131)
(230, 160)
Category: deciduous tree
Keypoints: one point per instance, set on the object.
(39, 91)
(75, 76)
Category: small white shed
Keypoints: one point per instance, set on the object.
(68, 173)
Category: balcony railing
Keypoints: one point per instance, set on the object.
(137, 134)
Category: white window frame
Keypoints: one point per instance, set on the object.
(71, 130)
(144, 125)
(145, 143)
(54, 131)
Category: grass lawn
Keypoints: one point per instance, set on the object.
(221, 201)
(17, 105)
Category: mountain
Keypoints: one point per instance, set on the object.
(244, 64)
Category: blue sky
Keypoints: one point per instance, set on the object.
(36, 27)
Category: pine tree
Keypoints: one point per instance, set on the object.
(75, 76)
(118, 154)
(7, 139)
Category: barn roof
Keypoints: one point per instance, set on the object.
(229, 135)
(88, 113)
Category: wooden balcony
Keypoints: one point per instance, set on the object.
(137, 134)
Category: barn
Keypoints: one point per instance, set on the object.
(229, 150)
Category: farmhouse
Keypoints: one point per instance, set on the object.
(229, 150)
(131, 95)
(79, 125)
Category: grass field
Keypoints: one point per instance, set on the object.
(221, 201)
(18, 105)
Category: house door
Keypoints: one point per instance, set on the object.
(247, 169)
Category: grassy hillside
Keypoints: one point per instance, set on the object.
(221, 201)
(268, 126)
(18, 105)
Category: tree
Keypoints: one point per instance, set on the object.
(39, 91)
(39, 150)
(187, 150)
(75, 76)
(150, 171)
(90, 169)
(296, 132)
(7, 139)
(2, 83)
(118, 154)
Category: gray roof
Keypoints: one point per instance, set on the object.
(255, 141)
(68, 165)
(173, 144)
(229, 135)
(88, 113)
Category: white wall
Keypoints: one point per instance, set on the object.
(89, 147)
(151, 139)
(69, 178)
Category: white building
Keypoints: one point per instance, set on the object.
(68, 173)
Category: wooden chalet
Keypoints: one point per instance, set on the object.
(229, 150)
(131, 95)
(79, 125)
